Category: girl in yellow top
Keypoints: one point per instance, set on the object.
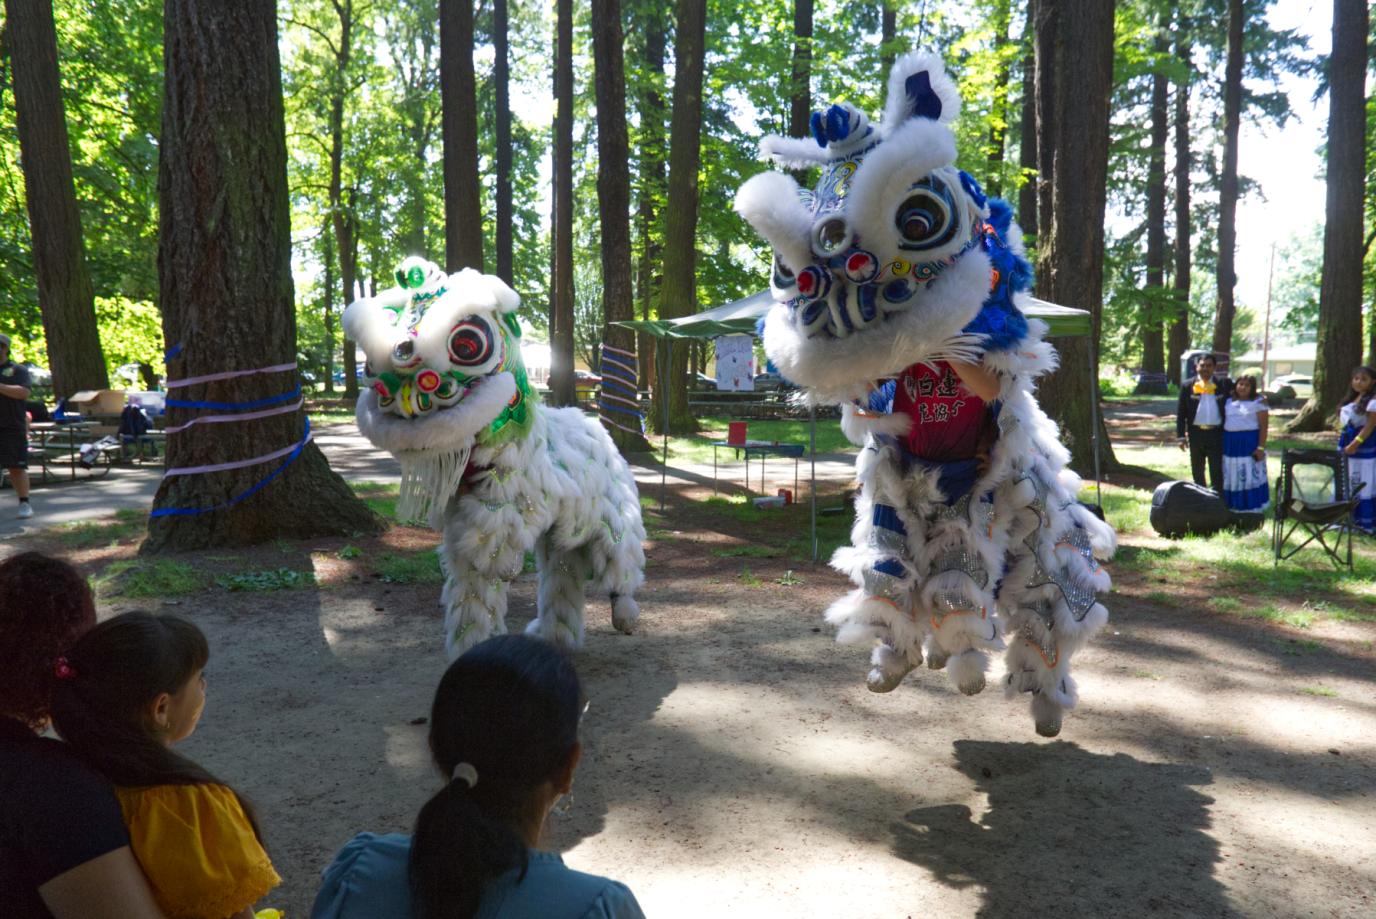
(127, 691)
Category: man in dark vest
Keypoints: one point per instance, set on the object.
(14, 425)
(1199, 420)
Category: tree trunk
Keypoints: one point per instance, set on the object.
(224, 272)
(1074, 42)
(1179, 337)
(1340, 293)
(800, 86)
(341, 223)
(888, 23)
(998, 121)
(1027, 143)
(681, 220)
(652, 182)
(65, 295)
(618, 401)
(463, 213)
(561, 386)
(501, 76)
(1228, 193)
(327, 242)
(1153, 380)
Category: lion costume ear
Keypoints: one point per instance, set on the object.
(919, 87)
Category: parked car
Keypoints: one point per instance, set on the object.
(702, 381)
(585, 378)
(1301, 385)
(768, 382)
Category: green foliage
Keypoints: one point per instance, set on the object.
(255, 581)
(127, 524)
(423, 568)
(349, 552)
(141, 578)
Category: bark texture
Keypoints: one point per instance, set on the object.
(342, 221)
(224, 272)
(681, 220)
(1153, 318)
(501, 77)
(1340, 292)
(1228, 189)
(65, 295)
(652, 180)
(561, 290)
(1074, 42)
(614, 205)
(1179, 336)
(1027, 141)
(463, 210)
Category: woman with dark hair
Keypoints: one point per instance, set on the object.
(1245, 426)
(504, 736)
(1357, 415)
(127, 691)
(64, 851)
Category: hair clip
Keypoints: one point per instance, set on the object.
(466, 772)
(62, 669)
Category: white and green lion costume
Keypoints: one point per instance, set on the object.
(483, 461)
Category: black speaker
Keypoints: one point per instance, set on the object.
(1181, 508)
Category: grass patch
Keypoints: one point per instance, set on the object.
(1225, 604)
(746, 551)
(1320, 691)
(1272, 613)
(127, 524)
(349, 552)
(789, 579)
(410, 569)
(1298, 647)
(279, 579)
(151, 578)
(1161, 597)
(1147, 675)
(381, 497)
(749, 579)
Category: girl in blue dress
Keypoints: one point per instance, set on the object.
(1245, 424)
(1358, 419)
(504, 735)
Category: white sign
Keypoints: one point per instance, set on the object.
(736, 363)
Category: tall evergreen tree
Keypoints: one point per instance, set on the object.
(681, 218)
(1153, 320)
(224, 266)
(1027, 131)
(561, 292)
(800, 85)
(463, 218)
(614, 204)
(65, 295)
(343, 222)
(501, 78)
(651, 179)
(1178, 338)
(1074, 42)
(1340, 294)
(1228, 181)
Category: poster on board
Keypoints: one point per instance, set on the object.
(735, 363)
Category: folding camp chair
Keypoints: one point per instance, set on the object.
(1313, 496)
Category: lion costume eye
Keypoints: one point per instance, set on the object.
(782, 276)
(926, 218)
(475, 346)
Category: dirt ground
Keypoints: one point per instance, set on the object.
(737, 766)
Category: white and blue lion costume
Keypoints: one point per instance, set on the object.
(897, 262)
(485, 463)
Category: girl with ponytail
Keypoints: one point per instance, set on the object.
(504, 737)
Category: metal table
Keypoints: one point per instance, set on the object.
(762, 449)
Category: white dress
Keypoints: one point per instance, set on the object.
(1244, 478)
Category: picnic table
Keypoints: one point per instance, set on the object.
(763, 449)
(60, 445)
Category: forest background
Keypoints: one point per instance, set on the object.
(363, 117)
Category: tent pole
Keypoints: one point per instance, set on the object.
(812, 487)
(1094, 414)
(664, 405)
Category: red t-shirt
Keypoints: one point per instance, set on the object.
(948, 418)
